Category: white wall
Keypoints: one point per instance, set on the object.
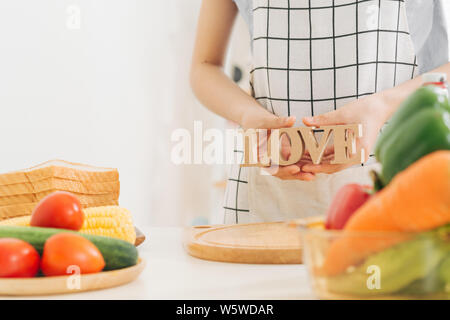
(447, 12)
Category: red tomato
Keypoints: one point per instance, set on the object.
(64, 250)
(58, 210)
(18, 259)
(345, 203)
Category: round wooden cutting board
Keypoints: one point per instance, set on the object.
(63, 284)
(263, 243)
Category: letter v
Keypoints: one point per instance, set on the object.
(314, 148)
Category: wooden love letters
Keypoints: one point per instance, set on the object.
(263, 149)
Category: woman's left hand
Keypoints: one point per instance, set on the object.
(368, 111)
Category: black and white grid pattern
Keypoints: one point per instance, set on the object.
(314, 56)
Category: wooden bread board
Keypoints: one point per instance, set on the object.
(59, 285)
(261, 243)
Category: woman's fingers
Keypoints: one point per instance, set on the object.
(325, 167)
(282, 172)
(285, 149)
(304, 176)
(292, 172)
(275, 122)
(339, 116)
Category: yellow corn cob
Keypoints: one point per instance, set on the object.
(109, 221)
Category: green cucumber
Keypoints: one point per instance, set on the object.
(117, 253)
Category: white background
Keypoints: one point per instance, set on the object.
(107, 94)
(447, 9)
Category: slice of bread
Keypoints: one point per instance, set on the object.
(18, 210)
(60, 184)
(85, 199)
(60, 169)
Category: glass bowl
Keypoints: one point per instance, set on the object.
(377, 265)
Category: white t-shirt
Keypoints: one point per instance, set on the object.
(427, 27)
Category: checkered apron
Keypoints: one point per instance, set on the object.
(311, 57)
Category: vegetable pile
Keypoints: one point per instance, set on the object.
(53, 245)
(407, 212)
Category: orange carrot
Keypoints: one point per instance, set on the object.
(418, 199)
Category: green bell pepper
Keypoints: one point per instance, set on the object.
(422, 133)
(420, 126)
(423, 98)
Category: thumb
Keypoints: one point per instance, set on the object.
(280, 122)
(326, 119)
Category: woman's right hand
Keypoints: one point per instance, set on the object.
(262, 119)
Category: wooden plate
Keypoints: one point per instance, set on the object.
(65, 284)
(140, 237)
(264, 243)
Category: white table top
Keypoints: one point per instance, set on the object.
(171, 273)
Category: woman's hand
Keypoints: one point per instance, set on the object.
(260, 118)
(256, 117)
(370, 112)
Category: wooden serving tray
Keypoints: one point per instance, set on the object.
(260, 243)
(59, 285)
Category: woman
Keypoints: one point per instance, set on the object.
(315, 63)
